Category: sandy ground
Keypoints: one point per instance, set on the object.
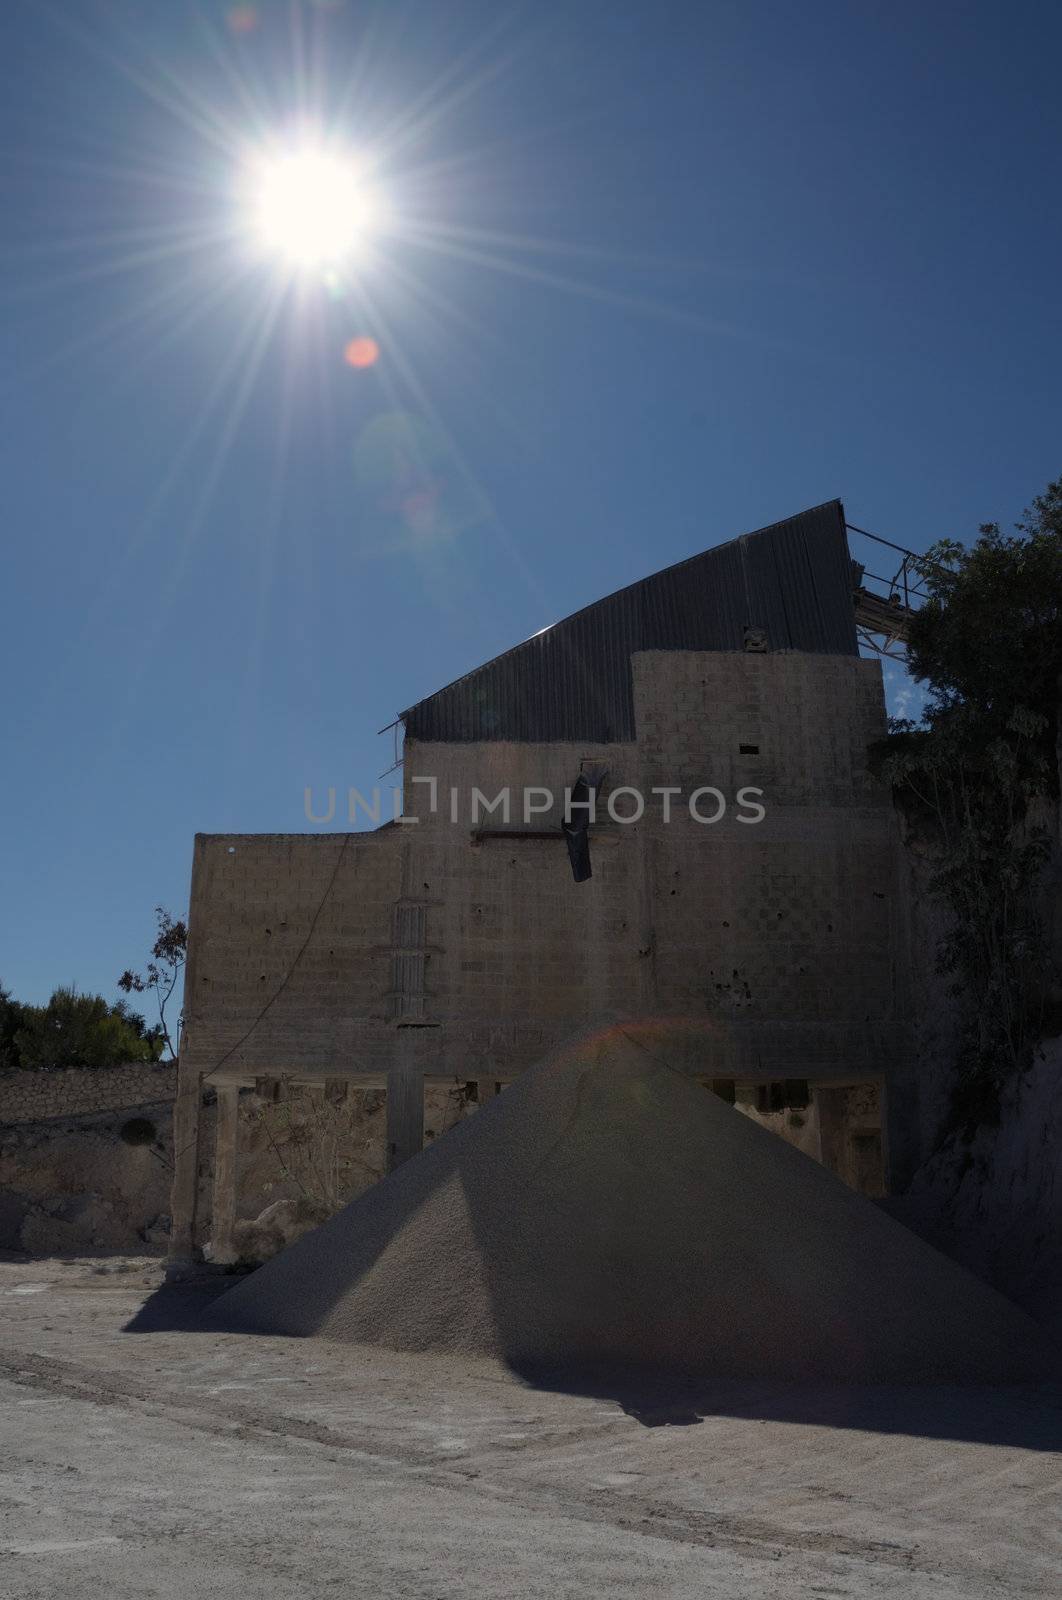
(172, 1463)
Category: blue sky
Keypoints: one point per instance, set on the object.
(652, 275)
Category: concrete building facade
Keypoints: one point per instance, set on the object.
(368, 988)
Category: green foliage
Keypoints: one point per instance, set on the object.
(988, 644)
(81, 1030)
(12, 1016)
(990, 637)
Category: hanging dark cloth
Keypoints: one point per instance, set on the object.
(576, 827)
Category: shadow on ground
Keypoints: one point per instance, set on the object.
(1022, 1416)
(177, 1307)
(1019, 1416)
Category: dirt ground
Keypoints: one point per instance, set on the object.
(141, 1458)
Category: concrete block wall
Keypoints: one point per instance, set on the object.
(292, 965)
(787, 921)
(811, 716)
(786, 933)
(290, 952)
(424, 949)
(491, 765)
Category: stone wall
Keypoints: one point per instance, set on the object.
(86, 1185)
(34, 1096)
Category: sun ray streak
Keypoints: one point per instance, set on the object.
(193, 235)
(108, 591)
(112, 269)
(267, 544)
(471, 327)
(159, 620)
(493, 151)
(200, 308)
(175, 179)
(423, 399)
(418, 120)
(593, 292)
(364, 72)
(258, 343)
(299, 83)
(472, 333)
(562, 247)
(137, 316)
(256, 107)
(215, 394)
(185, 106)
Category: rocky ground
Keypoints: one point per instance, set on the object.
(143, 1459)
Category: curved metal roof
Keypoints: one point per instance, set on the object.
(791, 582)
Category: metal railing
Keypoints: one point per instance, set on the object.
(884, 606)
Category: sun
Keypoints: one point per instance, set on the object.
(312, 207)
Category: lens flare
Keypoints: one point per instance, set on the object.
(243, 19)
(362, 352)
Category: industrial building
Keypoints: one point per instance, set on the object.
(350, 995)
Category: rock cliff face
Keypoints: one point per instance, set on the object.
(995, 1202)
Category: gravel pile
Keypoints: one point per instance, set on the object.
(605, 1210)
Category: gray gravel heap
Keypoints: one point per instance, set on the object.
(607, 1210)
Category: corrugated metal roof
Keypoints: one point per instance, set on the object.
(573, 681)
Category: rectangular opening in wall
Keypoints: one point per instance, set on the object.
(788, 1094)
(835, 1121)
(725, 1089)
(748, 749)
(297, 1139)
(770, 1097)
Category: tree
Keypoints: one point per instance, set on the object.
(168, 956)
(12, 1017)
(988, 644)
(989, 640)
(81, 1030)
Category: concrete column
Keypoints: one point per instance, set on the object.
(405, 1105)
(223, 1248)
(830, 1105)
(185, 1192)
